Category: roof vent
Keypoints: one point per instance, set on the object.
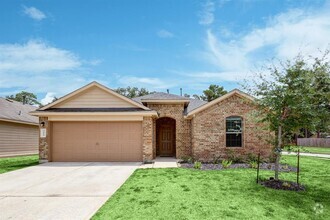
(19, 112)
(168, 91)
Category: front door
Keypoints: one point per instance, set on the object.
(166, 140)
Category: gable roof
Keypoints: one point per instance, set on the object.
(14, 111)
(160, 96)
(221, 98)
(193, 104)
(88, 86)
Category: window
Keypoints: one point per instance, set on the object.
(234, 132)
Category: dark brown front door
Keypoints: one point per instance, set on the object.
(166, 137)
(166, 140)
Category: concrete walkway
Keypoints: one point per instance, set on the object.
(307, 154)
(60, 190)
(162, 162)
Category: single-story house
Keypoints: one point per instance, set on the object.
(94, 123)
(18, 129)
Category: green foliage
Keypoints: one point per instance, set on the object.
(253, 164)
(213, 92)
(235, 158)
(26, 97)
(291, 96)
(216, 160)
(132, 92)
(224, 194)
(251, 157)
(226, 163)
(197, 165)
(14, 163)
(187, 159)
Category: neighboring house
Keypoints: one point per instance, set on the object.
(18, 129)
(94, 123)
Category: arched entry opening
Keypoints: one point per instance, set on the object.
(165, 137)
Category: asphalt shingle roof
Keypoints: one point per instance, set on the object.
(160, 96)
(193, 103)
(12, 110)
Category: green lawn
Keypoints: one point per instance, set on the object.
(317, 150)
(14, 163)
(223, 194)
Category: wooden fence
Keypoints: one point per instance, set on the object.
(314, 142)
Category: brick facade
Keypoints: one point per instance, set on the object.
(209, 131)
(147, 140)
(182, 127)
(202, 137)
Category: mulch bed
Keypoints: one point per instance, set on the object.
(283, 185)
(263, 166)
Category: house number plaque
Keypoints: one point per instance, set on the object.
(43, 132)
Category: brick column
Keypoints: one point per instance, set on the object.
(147, 141)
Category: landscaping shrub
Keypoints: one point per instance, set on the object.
(254, 164)
(197, 165)
(226, 163)
(232, 156)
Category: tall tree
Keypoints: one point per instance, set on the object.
(132, 92)
(25, 98)
(213, 92)
(321, 94)
(286, 100)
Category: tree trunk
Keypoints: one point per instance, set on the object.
(278, 151)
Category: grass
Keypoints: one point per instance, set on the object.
(316, 150)
(222, 194)
(14, 163)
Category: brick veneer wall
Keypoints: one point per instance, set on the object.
(147, 140)
(183, 138)
(209, 131)
(44, 143)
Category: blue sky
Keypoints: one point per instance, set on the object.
(53, 47)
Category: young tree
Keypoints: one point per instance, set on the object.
(321, 94)
(286, 100)
(25, 98)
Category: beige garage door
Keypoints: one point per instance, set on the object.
(96, 141)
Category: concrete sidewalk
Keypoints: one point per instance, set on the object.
(162, 162)
(307, 154)
(60, 190)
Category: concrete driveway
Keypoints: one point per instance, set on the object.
(60, 190)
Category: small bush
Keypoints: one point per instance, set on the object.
(252, 157)
(234, 157)
(187, 159)
(254, 164)
(216, 160)
(226, 163)
(197, 165)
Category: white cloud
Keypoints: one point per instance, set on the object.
(38, 67)
(94, 62)
(164, 34)
(283, 37)
(34, 13)
(48, 98)
(148, 82)
(206, 16)
(36, 56)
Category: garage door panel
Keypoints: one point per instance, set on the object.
(96, 141)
